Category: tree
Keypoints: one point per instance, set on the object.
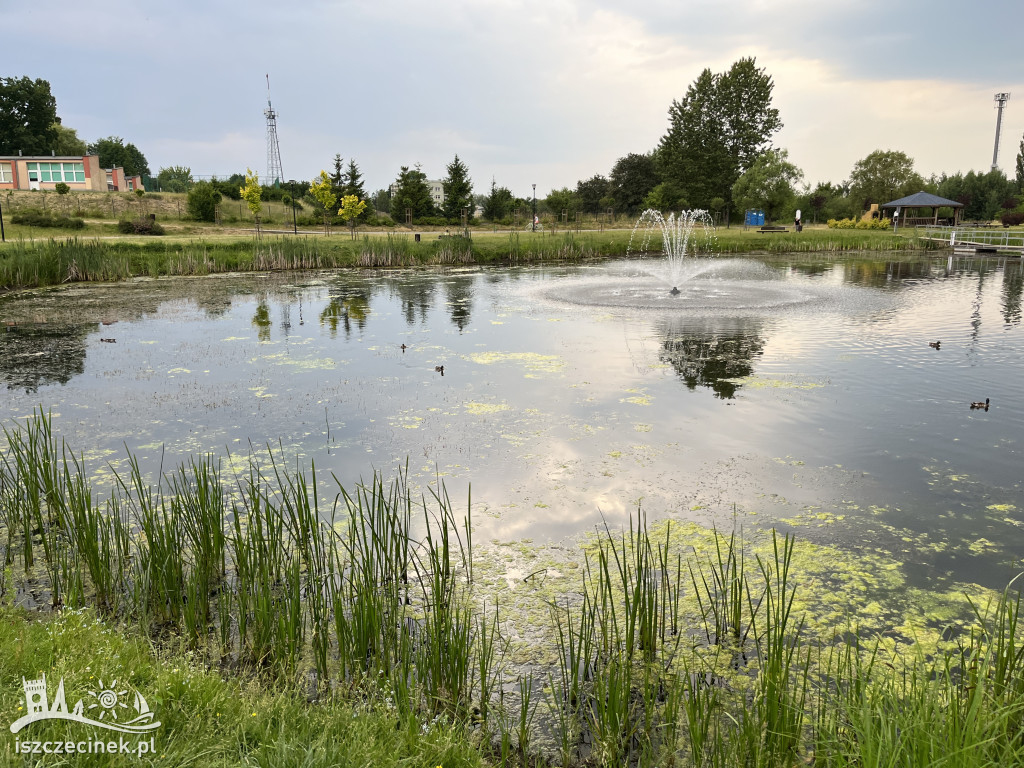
(28, 114)
(983, 194)
(632, 179)
(68, 143)
(1020, 168)
(591, 192)
(382, 201)
(252, 194)
(768, 184)
(883, 176)
(338, 178)
(176, 178)
(745, 95)
(411, 194)
(322, 191)
(498, 204)
(203, 200)
(559, 200)
(458, 191)
(351, 209)
(666, 197)
(723, 123)
(114, 153)
(352, 181)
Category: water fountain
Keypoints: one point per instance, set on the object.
(676, 232)
(688, 277)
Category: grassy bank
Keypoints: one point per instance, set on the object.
(376, 603)
(28, 264)
(207, 718)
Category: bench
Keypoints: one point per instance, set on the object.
(767, 229)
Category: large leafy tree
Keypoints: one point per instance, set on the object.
(68, 143)
(177, 178)
(883, 176)
(562, 200)
(411, 194)
(768, 184)
(983, 194)
(113, 152)
(723, 123)
(745, 95)
(632, 178)
(458, 190)
(593, 193)
(28, 116)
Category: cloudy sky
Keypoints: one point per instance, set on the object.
(524, 91)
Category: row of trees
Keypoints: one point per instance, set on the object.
(716, 154)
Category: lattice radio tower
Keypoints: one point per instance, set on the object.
(1001, 99)
(274, 173)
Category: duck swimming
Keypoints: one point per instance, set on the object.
(934, 344)
(984, 405)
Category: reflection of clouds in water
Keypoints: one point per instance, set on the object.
(557, 423)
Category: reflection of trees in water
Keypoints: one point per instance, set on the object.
(1013, 282)
(416, 297)
(346, 307)
(261, 320)
(710, 357)
(881, 273)
(459, 299)
(34, 355)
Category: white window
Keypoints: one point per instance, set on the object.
(73, 172)
(5, 173)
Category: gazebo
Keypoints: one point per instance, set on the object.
(913, 203)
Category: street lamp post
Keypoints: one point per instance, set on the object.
(534, 208)
(295, 226)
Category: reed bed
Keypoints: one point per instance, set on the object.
(659, 656)
(40, 263)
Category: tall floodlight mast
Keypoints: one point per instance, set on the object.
(274, 172)
(1001, 99)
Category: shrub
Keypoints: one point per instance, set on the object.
(61, 188)
(34, 217)
(860, 224)
(203, 199)
(1011, 218)
(143, 226)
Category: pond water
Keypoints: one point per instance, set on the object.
(800, 393)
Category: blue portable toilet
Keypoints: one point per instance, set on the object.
(753, 219)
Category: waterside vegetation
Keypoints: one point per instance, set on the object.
(370, 603)
(36, 263)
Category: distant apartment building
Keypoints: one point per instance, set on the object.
(82, 174)
(436, 192)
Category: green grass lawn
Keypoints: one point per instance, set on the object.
(207, 718)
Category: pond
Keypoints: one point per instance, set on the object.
(800, 392)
